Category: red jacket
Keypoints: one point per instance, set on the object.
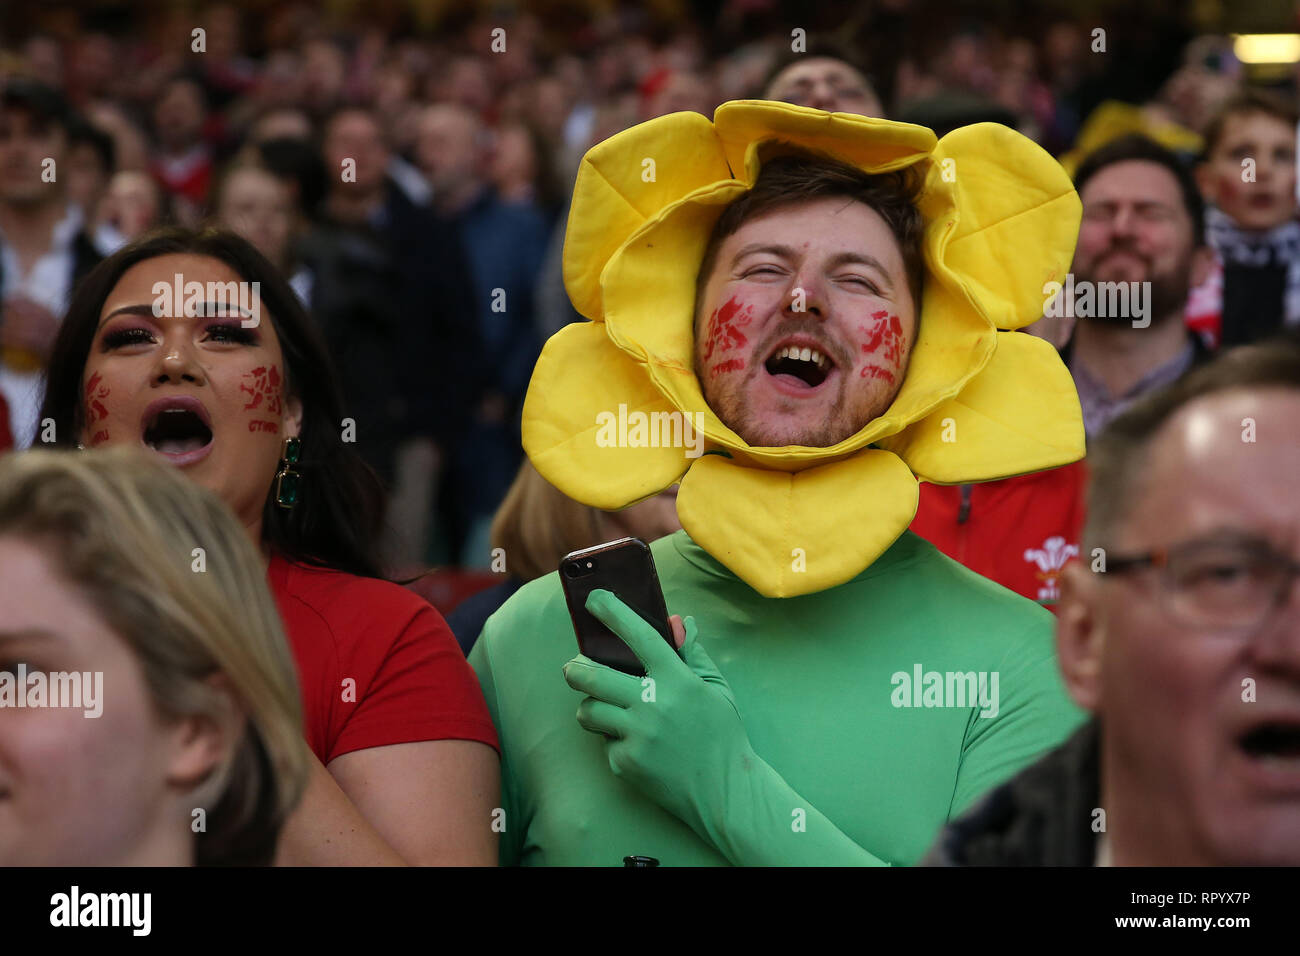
(1018, 531)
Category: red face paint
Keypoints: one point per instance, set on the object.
(260, 426)
(95, 410)
(724, 327)
(884, 340)
(731, 365)
(263, 387)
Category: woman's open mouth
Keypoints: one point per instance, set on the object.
(178, 428)
(799, 367)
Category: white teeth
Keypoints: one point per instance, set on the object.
(804, 355)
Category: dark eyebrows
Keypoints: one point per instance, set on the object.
(774, 248)
(146, 310)
(210, 310)
(861, 258)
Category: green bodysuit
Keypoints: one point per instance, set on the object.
(859, 698)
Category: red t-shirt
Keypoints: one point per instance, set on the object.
(412, 682)
(189, 179)
(1018, 531)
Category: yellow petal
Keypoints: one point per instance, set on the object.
(649, 284)
(1003, 218)
(788, 534)
(626, 180)
(874, 145)
(1019, 414)
(579, 421)
(649, 298)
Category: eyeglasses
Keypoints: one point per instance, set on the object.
(1228, 584)
(1105, 214)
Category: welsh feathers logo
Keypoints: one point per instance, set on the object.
(1050, 558)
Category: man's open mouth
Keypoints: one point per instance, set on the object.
(178, 427)
(799, 365)
(1273, 741)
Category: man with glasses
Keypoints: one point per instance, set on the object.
(1179, 630)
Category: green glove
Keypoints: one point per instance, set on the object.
(676, 735)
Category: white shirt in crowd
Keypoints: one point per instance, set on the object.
(49, 284)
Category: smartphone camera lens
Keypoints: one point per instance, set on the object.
(578, 569)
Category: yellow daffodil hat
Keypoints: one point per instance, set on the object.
(979, 401)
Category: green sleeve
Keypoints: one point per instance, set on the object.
(764, 822)
(511, 838)
(1034, 715)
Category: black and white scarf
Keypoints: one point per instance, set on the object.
(1278, 246)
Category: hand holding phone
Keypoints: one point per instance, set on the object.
(626, 569)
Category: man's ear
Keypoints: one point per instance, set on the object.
(1204, 177)
(1080, 636)
(200, 743)
(293, 417)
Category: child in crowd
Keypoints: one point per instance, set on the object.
(1247, 175)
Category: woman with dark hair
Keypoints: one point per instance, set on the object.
(193, 345)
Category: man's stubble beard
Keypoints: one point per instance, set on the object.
(732, 411)
(1169, 292)
(26, 202)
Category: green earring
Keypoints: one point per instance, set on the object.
(288, 481)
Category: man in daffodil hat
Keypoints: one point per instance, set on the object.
(797, 315)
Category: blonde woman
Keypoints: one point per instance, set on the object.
(537, 525)
(159, 722)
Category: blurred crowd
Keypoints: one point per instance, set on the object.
(396, 179)
(409, 174)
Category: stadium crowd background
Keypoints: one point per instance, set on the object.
(435, 270)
